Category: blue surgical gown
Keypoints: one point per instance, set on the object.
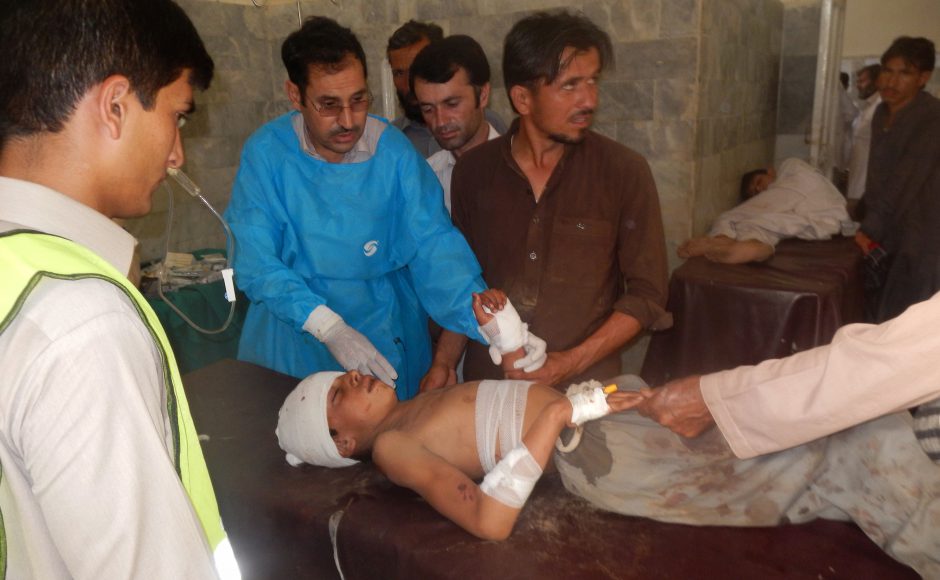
(370, 240)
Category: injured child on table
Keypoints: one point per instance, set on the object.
(797, 202)
(505, 432)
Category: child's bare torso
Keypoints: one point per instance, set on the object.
(444, 422)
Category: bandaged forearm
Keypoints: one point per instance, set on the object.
(513, 478)
(505, 331)
(588, 402)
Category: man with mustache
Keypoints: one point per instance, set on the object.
(404, 45)
(564, 220)
(451, 82)
(344, 244)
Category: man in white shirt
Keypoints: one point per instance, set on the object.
(102, 471)
(842, 146)
(866, 81)
(450, 79)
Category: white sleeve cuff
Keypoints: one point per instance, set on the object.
(321, 321)
(711, 389)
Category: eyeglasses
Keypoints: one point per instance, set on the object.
(357, 104)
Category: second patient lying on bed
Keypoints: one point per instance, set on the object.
(797, 202)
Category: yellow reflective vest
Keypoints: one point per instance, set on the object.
(27, 258)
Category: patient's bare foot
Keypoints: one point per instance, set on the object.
(740, 252)
(701, 246)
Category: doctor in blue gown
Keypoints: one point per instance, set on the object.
(344, 245)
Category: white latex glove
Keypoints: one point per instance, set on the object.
(535, 354)
(349, 347)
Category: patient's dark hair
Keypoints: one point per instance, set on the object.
(54, 51)
(746, 181)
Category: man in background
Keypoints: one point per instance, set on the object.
(451, 81)
(866, 82)
(403, 46)
(842, 145)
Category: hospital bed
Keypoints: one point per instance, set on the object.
(279, 517)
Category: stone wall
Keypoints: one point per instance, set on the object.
(738, 82)
(800, 45)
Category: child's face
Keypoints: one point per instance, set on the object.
(356, 403)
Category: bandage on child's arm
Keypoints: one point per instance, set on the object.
(589, 401)
(513, 478)
(509, 358)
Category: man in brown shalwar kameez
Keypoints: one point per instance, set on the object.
(565, 220)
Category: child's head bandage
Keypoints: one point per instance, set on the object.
(513, 478)
(302, 429)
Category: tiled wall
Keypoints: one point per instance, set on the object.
(738, 72)
(800, 44)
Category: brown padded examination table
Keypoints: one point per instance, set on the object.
(278, 517)
(730, 315)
